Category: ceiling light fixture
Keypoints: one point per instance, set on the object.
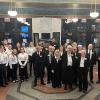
(12, 12)
(75, 19)
(94, 13)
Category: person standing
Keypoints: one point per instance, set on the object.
(83, 71)
(67, 68)
(92, 60)
(23, 59)
(13, 63)
(98, 59)
(48, 62)
(38, 59)
(30, 50)
(75, 65)
(8, 51)
(56, 69)
(3, 67)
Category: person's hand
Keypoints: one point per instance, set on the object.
(52, 71)
(98, 58)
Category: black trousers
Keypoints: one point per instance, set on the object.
(9, 73)
(49, 74)
(1, 74)
(38, 73)
(91, 73)
(14, 71)
(23, 73)
(98, 70)
(30, 65)
(83, 75)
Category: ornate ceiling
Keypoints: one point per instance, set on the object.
(52, 8)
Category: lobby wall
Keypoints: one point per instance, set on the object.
(46, 25)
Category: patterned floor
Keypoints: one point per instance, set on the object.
(25, 91)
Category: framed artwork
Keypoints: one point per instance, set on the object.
(56, 35)
(45, 36)
(36, 38)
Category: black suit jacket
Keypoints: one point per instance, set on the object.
(47, 59)
(92, 61)
(86, 62)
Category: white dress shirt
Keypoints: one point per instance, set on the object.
(90, 52)
(57, 59)
(82, 61)
(30, 50)
(4, 58)
(12, 60)
(69, 60)
(22, 57)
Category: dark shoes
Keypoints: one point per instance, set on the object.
(3, 85)
(98, 82)
(6, 83)
(91, 81)
(48, 82)
(43, 83)
(80, 90)
(84, 91)
(34, 85)
(65, 88)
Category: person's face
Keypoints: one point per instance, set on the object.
(69, 49)
(10, 47)
(90, 46)
(22, 50)
(61, 48)
(83, 53)
(50, 49)
(53, 49)
(38, 48)
(14, 51)
(74, 50)
(31, 44)
(57, 53)
(18, 44)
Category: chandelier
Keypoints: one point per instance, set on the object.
(94, 13)
(12, 12)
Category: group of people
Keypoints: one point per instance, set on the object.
(66, 66)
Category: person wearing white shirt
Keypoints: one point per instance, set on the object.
(13, 63)
(67, 68)
(3, 67)
(23, 59)
(83, 71)
(8, 51)
(30, 50)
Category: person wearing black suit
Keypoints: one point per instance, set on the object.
(48, 62)
(92, 60)
(67, 68)
(98, 59)
(83, 71)
(56, 69)
(75, 65)
(38, 59)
